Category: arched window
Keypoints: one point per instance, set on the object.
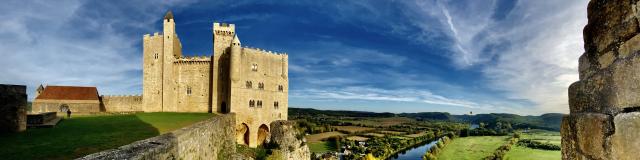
(261, 86)
(280, 88)
(254, 67)
(249, 85)
(251, 103)
(155, 56)
(259, 104)
(188, 90)
(276, 105)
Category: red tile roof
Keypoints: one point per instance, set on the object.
(69, 93)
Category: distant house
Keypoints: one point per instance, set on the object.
(62, 98)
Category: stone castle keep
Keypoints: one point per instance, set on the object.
(252, 83)
(604, 119)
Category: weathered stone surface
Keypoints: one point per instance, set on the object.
(13, 108)
(291, 145)
(631, 46)
(610, 22)
(591, 130)
(610, 90)
(624, 142)
(585, 67)
(568, 138)
(209, 139)
(606, 59)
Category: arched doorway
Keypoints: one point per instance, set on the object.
(224, 108)
(263, 133)
(242, 134)
(64, 108)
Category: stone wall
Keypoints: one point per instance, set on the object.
(209, 139)
(194, 84)
(76, 106)
(13, 108)
(131, 103)
(604, 119)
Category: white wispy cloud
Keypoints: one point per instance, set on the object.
(532, 54)
(376, 94)
(74, 43)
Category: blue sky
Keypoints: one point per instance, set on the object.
(504, 56)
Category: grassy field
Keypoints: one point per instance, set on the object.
(79, 136)
(471, 147)
(322, 146)
(352, 129)
(524, 153)
(321, 136)
(416, 135)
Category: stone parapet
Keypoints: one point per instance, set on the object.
(209, 139)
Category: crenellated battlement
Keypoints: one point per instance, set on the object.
(224, 29)
(155, 35)
(193, 60)
(254, 50)
(122, 96)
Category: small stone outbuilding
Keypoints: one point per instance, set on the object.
(62, 98)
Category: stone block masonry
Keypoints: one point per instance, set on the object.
(13, 108)
(604, 120)
(210, 139)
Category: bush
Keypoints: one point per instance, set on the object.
(538, 145)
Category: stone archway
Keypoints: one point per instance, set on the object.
(64, 108)
(242, 134)
(224, 108)
(263, 133)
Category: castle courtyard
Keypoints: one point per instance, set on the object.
(82, 135)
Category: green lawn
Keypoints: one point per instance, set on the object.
(524, 153)
(322, 146)
(79, 136)
(471, 147)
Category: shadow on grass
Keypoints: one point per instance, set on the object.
(76, 137)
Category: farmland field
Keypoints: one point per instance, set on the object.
(392, 132)
(352, 129)
(322, 146)
(471, 147)
(357, 138)
(382, 122)
(416, 135)
(321, 136)
(524, 153)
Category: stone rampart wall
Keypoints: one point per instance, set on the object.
(13, 108)
(604, 122)
(122, 103)
(209, 139)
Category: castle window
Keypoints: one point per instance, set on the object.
(276, 105)
(188, 90)
(259, 104)
(155, 56)
(261, 86)
(251, 103)
(279, 115)
(248, 84)
(254, 67)
(280, 88)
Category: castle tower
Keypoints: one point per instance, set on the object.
(172, 50)
(223, 35)
(235, 59)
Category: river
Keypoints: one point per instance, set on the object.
(414, 153)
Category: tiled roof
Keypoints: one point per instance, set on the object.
(69, 93)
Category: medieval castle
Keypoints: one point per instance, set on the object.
(250, 82)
